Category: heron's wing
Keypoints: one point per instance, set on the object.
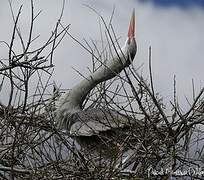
(94, 121)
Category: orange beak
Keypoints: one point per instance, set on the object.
(131, 30)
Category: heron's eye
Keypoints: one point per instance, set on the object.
(129, 41)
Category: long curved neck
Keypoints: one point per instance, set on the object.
(109, 70)
(72, 101)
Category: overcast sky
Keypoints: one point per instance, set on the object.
(173, 28)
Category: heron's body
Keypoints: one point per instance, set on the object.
(94, 121)
(86, 123)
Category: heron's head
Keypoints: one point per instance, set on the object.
(131, 43)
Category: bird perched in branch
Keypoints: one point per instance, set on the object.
(69, 113)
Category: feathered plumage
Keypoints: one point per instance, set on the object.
(86, 123)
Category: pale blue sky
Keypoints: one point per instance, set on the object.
(175, 34)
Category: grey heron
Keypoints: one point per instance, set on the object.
(69, 113)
